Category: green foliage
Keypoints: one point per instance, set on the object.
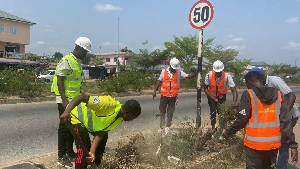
(14, 83)
(238, 67)
(34, 57)
(192, 83)
(181, 144)
(86, 59)
(184, 48)
(51, 59)
(126, 80)
(58, 55)
(226, 116)
(126, 50)
(218, 53)
(150, 59)
(99, 60)
(284, 69)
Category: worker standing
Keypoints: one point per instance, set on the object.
(169, 80)
(289, 95)
(264, 116)
(97, 115)
(216, 86)
(66, 86)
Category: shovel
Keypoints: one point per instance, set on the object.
(77, 139)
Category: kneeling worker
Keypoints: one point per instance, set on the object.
(96, 115)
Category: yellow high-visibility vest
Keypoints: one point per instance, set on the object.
(95, 122)
(72, 82)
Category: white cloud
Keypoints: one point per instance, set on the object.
(236, 47)
(10, 11)
(293, 20)
(231, 36)
(106, 7)
(48, 30)
(106, 43)
(157, 47)
(237, 39)
(292, 46)
(121, 44)
(40, 42)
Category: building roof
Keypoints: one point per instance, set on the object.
(17, 61)
(8, 16)
(116, 53)
(259, 64)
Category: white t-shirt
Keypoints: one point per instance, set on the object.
(183, 75)
(279, 84)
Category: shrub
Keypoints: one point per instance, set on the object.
(126, 80)
(21, 84)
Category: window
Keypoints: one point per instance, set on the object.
(2, 28)
(115, 59)
(107, 59)
(126, 58)
(13, 30)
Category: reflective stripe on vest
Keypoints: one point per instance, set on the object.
(72, 82)
(68, 88)
(166, 89)
(95, 123)
(222, 85)
(263, 129)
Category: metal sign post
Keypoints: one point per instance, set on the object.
(200, 16)
(199, 80)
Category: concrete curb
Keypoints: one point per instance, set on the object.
(26, 100)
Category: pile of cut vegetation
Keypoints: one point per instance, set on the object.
(183, 147)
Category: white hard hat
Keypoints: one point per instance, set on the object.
(174, 63)
(218, 66)
(84, 42)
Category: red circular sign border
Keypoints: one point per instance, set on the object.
(212, 14)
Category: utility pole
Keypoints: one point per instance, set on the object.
(118, 63)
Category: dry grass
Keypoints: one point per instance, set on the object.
(139, 151)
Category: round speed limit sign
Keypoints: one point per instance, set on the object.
(201, 14)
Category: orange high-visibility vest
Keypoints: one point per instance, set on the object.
(219, 89)
(263, 129)
(171, 86)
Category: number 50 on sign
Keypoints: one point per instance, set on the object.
(201, 14)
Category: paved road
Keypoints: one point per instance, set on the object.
(31, 129)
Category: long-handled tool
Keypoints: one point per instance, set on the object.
(77, 139)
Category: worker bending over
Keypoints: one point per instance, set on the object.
(97, 115)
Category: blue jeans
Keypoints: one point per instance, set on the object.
(283, 156)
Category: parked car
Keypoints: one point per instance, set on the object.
(47, 76)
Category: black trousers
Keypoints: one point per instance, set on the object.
(65, 137)
(167, 104)
(258, 159)
(214, 109)
(82, 132)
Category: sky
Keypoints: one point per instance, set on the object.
(261, 30)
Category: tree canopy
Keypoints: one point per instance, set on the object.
(58, 55)
(150, 59)
(284, 69)
(126, 50)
